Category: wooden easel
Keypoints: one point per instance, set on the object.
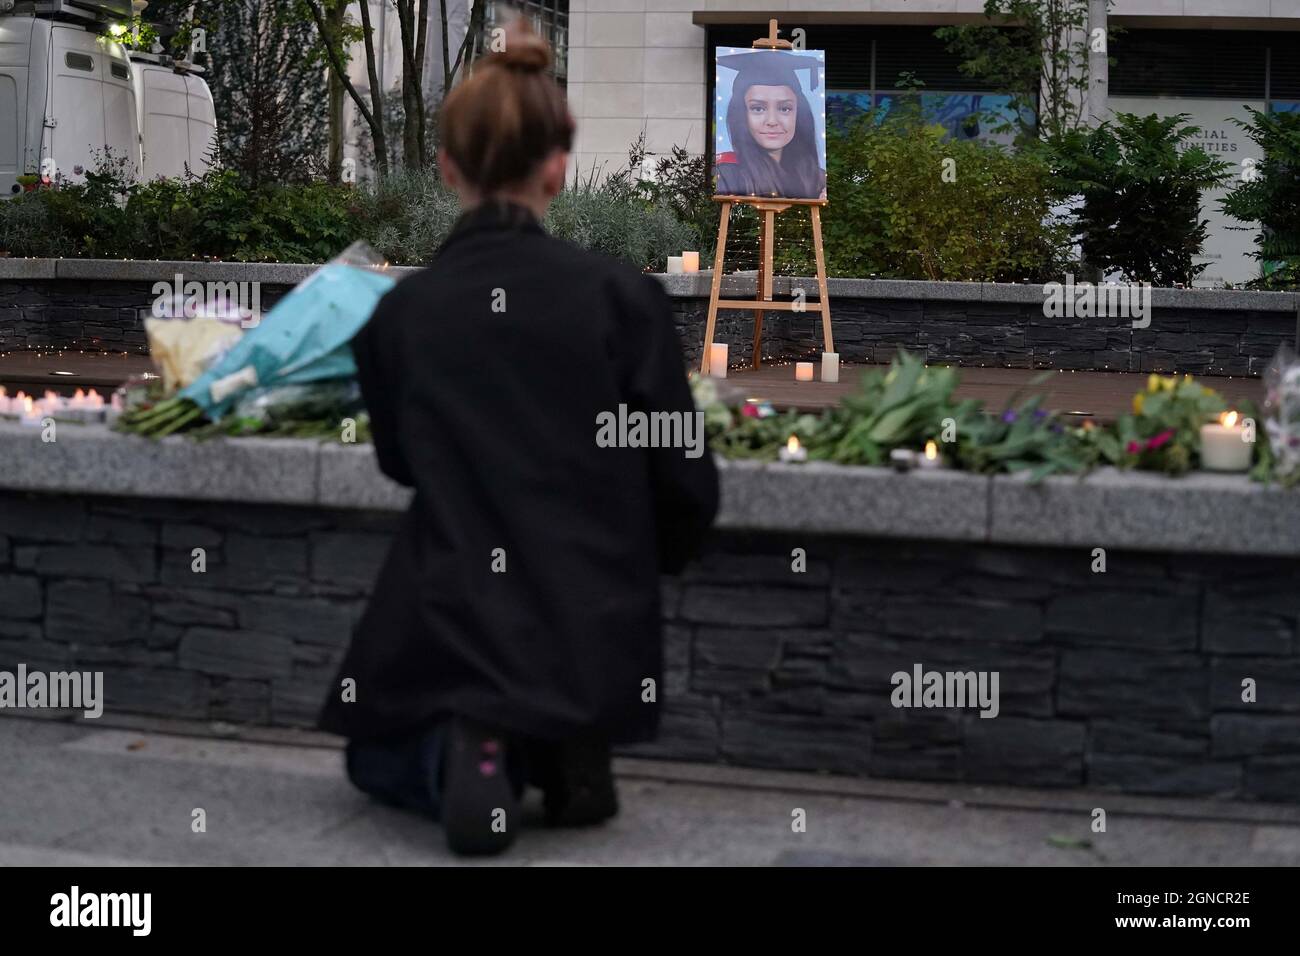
(769, 207)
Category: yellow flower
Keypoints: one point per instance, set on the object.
(1137, 403)
(1153, 382)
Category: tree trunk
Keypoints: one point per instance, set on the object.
(446, 50)
(421, 36)
(412, 148)
(373, 114)
(334, 18)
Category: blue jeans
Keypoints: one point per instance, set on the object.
(406, 770)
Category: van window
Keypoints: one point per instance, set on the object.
(79, 61)
(119, 71)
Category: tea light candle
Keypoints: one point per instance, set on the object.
(31, 412)
(930, 458)
(803, 371)
(690, 262)
(113, 410)
(1224, 446)
(718, 360)
(902, 459)
(674, 265)
(793, 451)
(830, 366)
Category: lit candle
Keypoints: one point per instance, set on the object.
(793, 451)
(830, 366)
(718, 360)
(803, 371)
(114, 409)
(690, 262)
(674, 265)
(930, 458)
(1224, 446)
(31, 412)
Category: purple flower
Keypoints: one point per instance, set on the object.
(1039, 414)
(1009, 416)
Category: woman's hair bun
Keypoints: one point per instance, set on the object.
(524, 49)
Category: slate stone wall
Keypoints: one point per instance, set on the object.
(1131, 679)
(102, 315)
(1012, 334)
(82, 314)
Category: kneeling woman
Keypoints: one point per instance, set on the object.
(516, 619)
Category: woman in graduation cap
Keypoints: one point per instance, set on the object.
(772, 128)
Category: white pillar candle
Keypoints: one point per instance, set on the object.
(690, 262)
(830, 366)
(718, 360)
(1224, 446)
(803, 371)
(674, 264)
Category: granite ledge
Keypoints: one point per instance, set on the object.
(1226, 514)
(688, 286)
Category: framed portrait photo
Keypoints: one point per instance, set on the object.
(770, 123)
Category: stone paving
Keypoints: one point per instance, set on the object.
(74, 794)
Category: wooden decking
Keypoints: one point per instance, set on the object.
(34, 372)
(1102, 396)
(1098, 395)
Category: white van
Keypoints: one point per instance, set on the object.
(177, 120)
(67, 92)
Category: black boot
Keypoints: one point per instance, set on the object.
(577, 781)
(480, 808)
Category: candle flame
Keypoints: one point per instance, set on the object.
(792, 445)
(931, 450)
(1228, 419)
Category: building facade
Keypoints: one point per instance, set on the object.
(639, 66)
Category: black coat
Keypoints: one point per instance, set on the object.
(491, 415)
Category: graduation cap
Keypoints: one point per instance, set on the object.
(771, 68)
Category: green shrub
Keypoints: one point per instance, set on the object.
(1141, 180)
(893, 212)
(406, 216)
(27, 228)
(603, 220)
(1270, 196)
